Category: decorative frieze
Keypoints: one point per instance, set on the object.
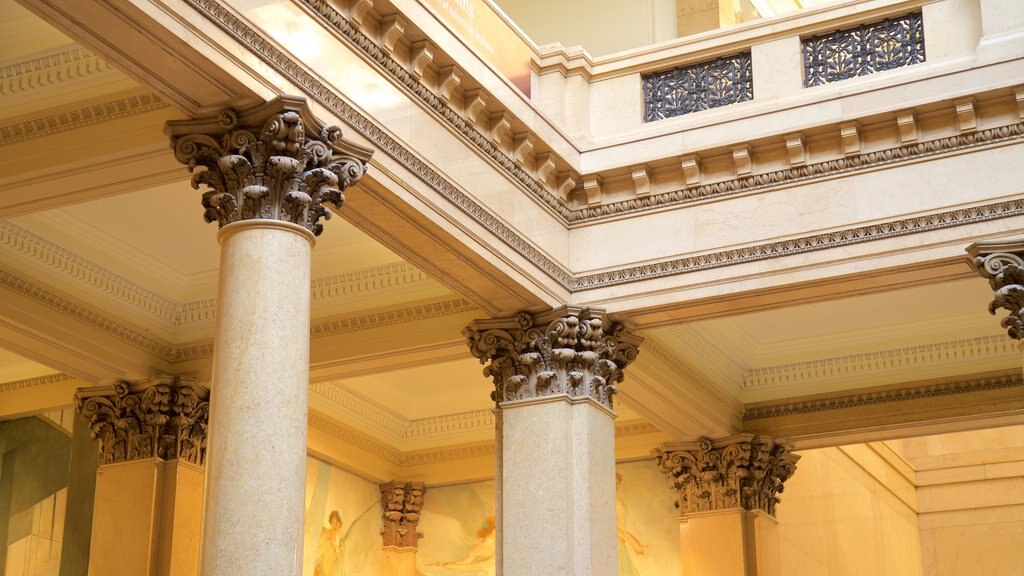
(745, 471)
(161, 417)
(401, 503)
(273, 162)
(80, 117)
(866, 49)
(573, 351)
(698, 87)
(1002, 263)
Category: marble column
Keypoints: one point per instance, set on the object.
(148, 501)
(401, 504)
(727, 492)
(270, 171)
(554, 376)
(1001, 262)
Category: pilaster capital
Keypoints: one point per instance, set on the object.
(744, 471)
(1002, 263)
(574, 351)
(401, 503)
(275, 161)
(163, 416)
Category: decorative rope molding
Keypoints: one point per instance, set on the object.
(808, 172)
(874, 397)
(50, 70)
(112, 110)
(31, 382)
(716, 392)
(804, 244)
(858, 364)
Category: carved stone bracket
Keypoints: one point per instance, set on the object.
(571, 350)
(273, 162)
(163, 417)
(1002, 263)
(744, 471)
(401, 503)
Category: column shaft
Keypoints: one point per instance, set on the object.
(257, 445)
(557, 488)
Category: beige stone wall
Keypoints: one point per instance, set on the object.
(970, 500)
(849, 510)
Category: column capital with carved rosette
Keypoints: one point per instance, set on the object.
(160, 417)
(1002, 263)
(275, 161)
(401, 503)
(745, 471)
(574, 351)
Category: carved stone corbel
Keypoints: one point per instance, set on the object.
(402, 503)
(745, 471)
(160, 417)
(1002, 263)
(574, 351)
(272, 162)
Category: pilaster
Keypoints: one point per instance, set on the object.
(555, 377)
(148, 503)
(401, 503)
(727, 492)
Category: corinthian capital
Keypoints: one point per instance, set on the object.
(272, 162)
(572, 351)
(745, 471)
(1002, 263)
(402, 503)
(163, 417)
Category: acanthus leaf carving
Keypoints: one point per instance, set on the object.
(276, 162)
(162, 417)
(401, 503)
(567, 351)
(746, 472)
(1002, 263)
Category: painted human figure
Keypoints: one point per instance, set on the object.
(330, 552)
(627, 542)
(480, 557)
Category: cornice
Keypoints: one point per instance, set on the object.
(317, 90)
(822, 403)
(391, 317)
(708, 354)
(50, 70)
(906, 358)
(438, 455)
(83, 270)
(717, 393)
(85, 116)
(31, 382)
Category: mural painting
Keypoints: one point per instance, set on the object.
(459, 531)
(647, 525)
(343, 523)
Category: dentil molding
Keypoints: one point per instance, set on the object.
(77, 118)
(64, 65)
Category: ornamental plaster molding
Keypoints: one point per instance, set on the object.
(33, 382)
(160, 417)
(357, 439)
(841, 401)
(317, 90)
(401, 504)
(857, 365)
(708, 354)
(745, 471)
(67, 64)
(81, 269)
(275, 161)
(354, 404)
(574, 351)
(1002, 263)
(447, 424)
(392, 317)
(80, 117)
(716, 392)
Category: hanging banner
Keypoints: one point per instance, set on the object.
(485, 31)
